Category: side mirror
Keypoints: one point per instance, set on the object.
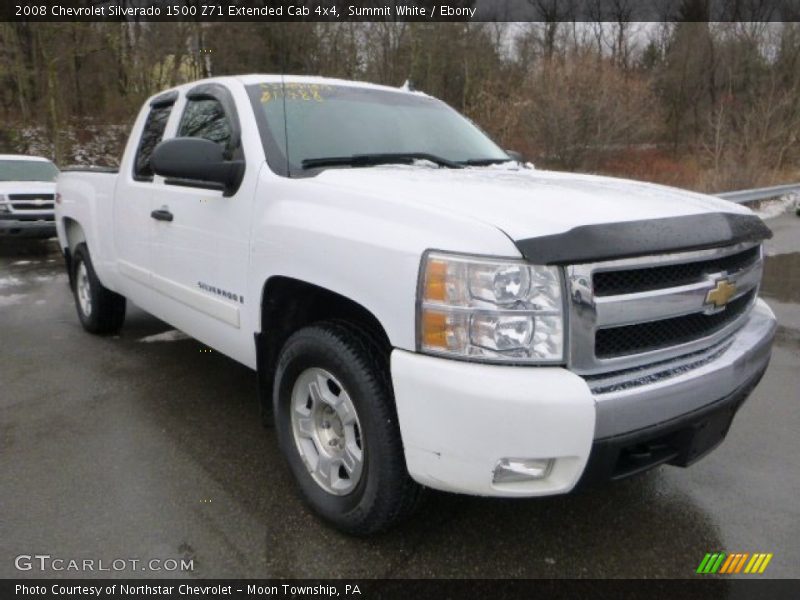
(517, 156)
(197, 162)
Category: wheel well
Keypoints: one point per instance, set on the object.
(74, 233)
(289, 304)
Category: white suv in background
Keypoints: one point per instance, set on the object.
(27, 193)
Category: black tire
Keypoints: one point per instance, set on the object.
(385, 493)
(105, 313)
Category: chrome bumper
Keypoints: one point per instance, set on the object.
(663, 396)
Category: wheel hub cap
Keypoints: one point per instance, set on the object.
(327, 432)
(84, 290)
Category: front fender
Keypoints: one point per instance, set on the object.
(363, 247)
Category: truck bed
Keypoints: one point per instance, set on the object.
(86, 196)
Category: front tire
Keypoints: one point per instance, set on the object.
(337, 428)
(100, 310)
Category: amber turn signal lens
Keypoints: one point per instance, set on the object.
(435, 281)
(434, 329)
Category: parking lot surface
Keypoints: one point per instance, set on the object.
(150, 446)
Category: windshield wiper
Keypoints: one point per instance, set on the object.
(485, 162)
(367, 160)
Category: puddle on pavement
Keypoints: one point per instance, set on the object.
(21, 253)
(782, 277)
(788, 337)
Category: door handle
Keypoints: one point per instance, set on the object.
(162, 214)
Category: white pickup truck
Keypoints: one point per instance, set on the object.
(421, 309)
(27, 191)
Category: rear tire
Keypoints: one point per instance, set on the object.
(337, 427)
(100, 310)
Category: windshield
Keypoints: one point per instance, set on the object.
(27, 170)
(333, 121)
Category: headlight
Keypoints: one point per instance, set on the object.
(4, 207)
(490, 309)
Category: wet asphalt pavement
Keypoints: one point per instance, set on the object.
(118, 448)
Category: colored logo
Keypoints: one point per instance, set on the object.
(738, 562)
(721, 294)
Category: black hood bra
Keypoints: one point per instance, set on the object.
(629, 239)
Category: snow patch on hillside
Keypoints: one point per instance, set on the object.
(88, 143)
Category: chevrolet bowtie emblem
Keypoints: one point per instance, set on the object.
(721, 294)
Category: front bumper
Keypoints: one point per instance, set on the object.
(32, 226)
(458, 419)
(680, 441)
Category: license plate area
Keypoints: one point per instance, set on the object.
(702, 436)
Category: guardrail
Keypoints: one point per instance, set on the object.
(754, 195)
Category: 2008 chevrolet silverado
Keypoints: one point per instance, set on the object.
(422, 310)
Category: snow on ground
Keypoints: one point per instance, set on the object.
(22, 262)
(173, 335)
(12, 299)
(46, 278)
(9, 281)
(775, 208)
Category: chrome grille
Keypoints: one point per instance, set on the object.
(643, 337)
(635, 312)
(32, 202)
(612, 283)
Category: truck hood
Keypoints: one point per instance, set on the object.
(527, 202)
(574, 217)
(26, 187)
